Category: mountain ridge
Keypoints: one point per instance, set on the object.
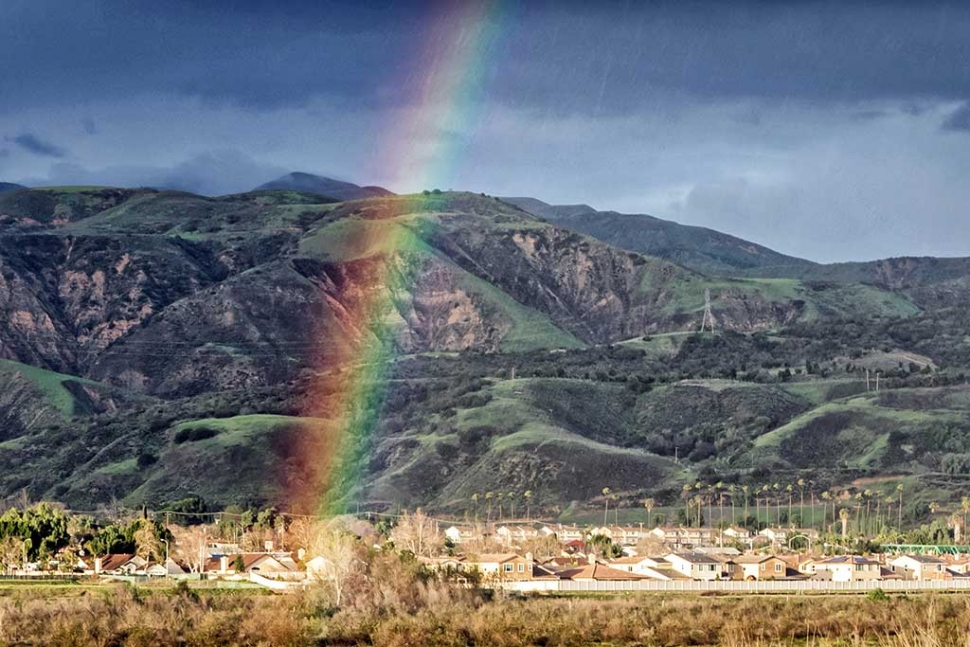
(308, 182)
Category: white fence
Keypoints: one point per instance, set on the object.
(728, 586)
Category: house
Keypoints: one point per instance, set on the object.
(595, 571)
(919, 567)
(161, 570)
(118, 564)
(757, 567)
(696, 566)
(847, 568)
(502, 566)
(262, 563)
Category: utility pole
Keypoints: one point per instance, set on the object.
(708, 319)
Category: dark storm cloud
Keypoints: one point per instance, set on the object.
(34, 144)
(958, 120)
(567, 57)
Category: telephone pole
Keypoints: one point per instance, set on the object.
(708, 319)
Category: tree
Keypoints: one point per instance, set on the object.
(606, 501)
(649, 504)
(844, 518)
(965, 507)
(338, 552)
(511, 497)
(190, 545)
(801, 504)
(790, 489)
(826, 497)
(899, 524)
(416, 533)
(11, 553)
(148, 545)
(475, 504)
(527, 495)
(488, 505)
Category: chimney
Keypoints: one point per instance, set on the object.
(224, 564)
(591, 557)
(530, 559)
(97, 565)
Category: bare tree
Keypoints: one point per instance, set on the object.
(416, 533)
(334, 550)
(190, 546)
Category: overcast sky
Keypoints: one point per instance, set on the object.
(828, 130)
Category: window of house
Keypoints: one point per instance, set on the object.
(778, 568)
(507, 568)
(522, 568)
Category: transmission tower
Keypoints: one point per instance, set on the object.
(708, 319)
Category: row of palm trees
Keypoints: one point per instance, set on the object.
(872, 511)
(498, 499)
(769, 498)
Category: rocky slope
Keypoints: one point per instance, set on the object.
(159, 311)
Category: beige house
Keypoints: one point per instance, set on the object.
(501, 566)
(847, 568)
(919, 567)
(757, 567)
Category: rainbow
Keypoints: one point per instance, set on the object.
(447, 81)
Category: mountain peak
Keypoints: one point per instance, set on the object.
(310, 183)
(8, 186)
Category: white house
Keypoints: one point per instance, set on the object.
(696, 566)
(919, 567)
(848, 568)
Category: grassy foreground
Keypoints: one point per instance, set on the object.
(129, 616)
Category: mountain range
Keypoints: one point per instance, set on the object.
(538, 348)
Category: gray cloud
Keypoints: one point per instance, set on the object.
(34, 144)
(958, 120)
(211, 173)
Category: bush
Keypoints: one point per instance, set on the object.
(191, 434)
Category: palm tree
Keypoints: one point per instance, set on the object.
(867, 496)
(649, 505)
(844, 518)
(858, 512)
(699, 502)
(776, 490)
(498, 498)
(687, 489)
(826, 497)
(956, 520)
(801, 505)
(488, 503)
(765, 491)
(719, 489)
(475, 504)
(746, 489)
(616, 509)
(899, 523)
(511, 497)
(890, 500)
(790, 489)
(732, 490)
(606, 499)
(965, 507)
(527, 495)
